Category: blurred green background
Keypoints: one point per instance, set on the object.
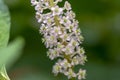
(100, 25)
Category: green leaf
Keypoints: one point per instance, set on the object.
(4, 35)
(4, 25)
(9, 54)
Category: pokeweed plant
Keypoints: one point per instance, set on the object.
(62, 37)
(8, 53)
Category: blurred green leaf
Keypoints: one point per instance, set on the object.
(9, 54)
(4, 35)
(4, 24)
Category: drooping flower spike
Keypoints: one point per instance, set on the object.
(62, 36)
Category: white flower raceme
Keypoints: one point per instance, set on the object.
(62, 36)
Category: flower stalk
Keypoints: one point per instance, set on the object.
(51, 3)
(62, 37)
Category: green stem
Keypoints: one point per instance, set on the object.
(51, 3)
(3, 73)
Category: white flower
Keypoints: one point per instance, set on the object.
(75, 61)
(70, 14)
(68, 50)
(80, 51)
(56, 10)
(81, 74)
(67, 5)
(74, 43)
(65, 64)
(65, 37)
(78, 60)
(39, 8)
(66, 22)
(42, 28)
(52, 53)
(56, 68)
(70, 73)
(56, 30)
(34, 2)
(59, 45)
(38, 17)
(48, 19)
(50, 41)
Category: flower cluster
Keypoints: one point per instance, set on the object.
(61, 36)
